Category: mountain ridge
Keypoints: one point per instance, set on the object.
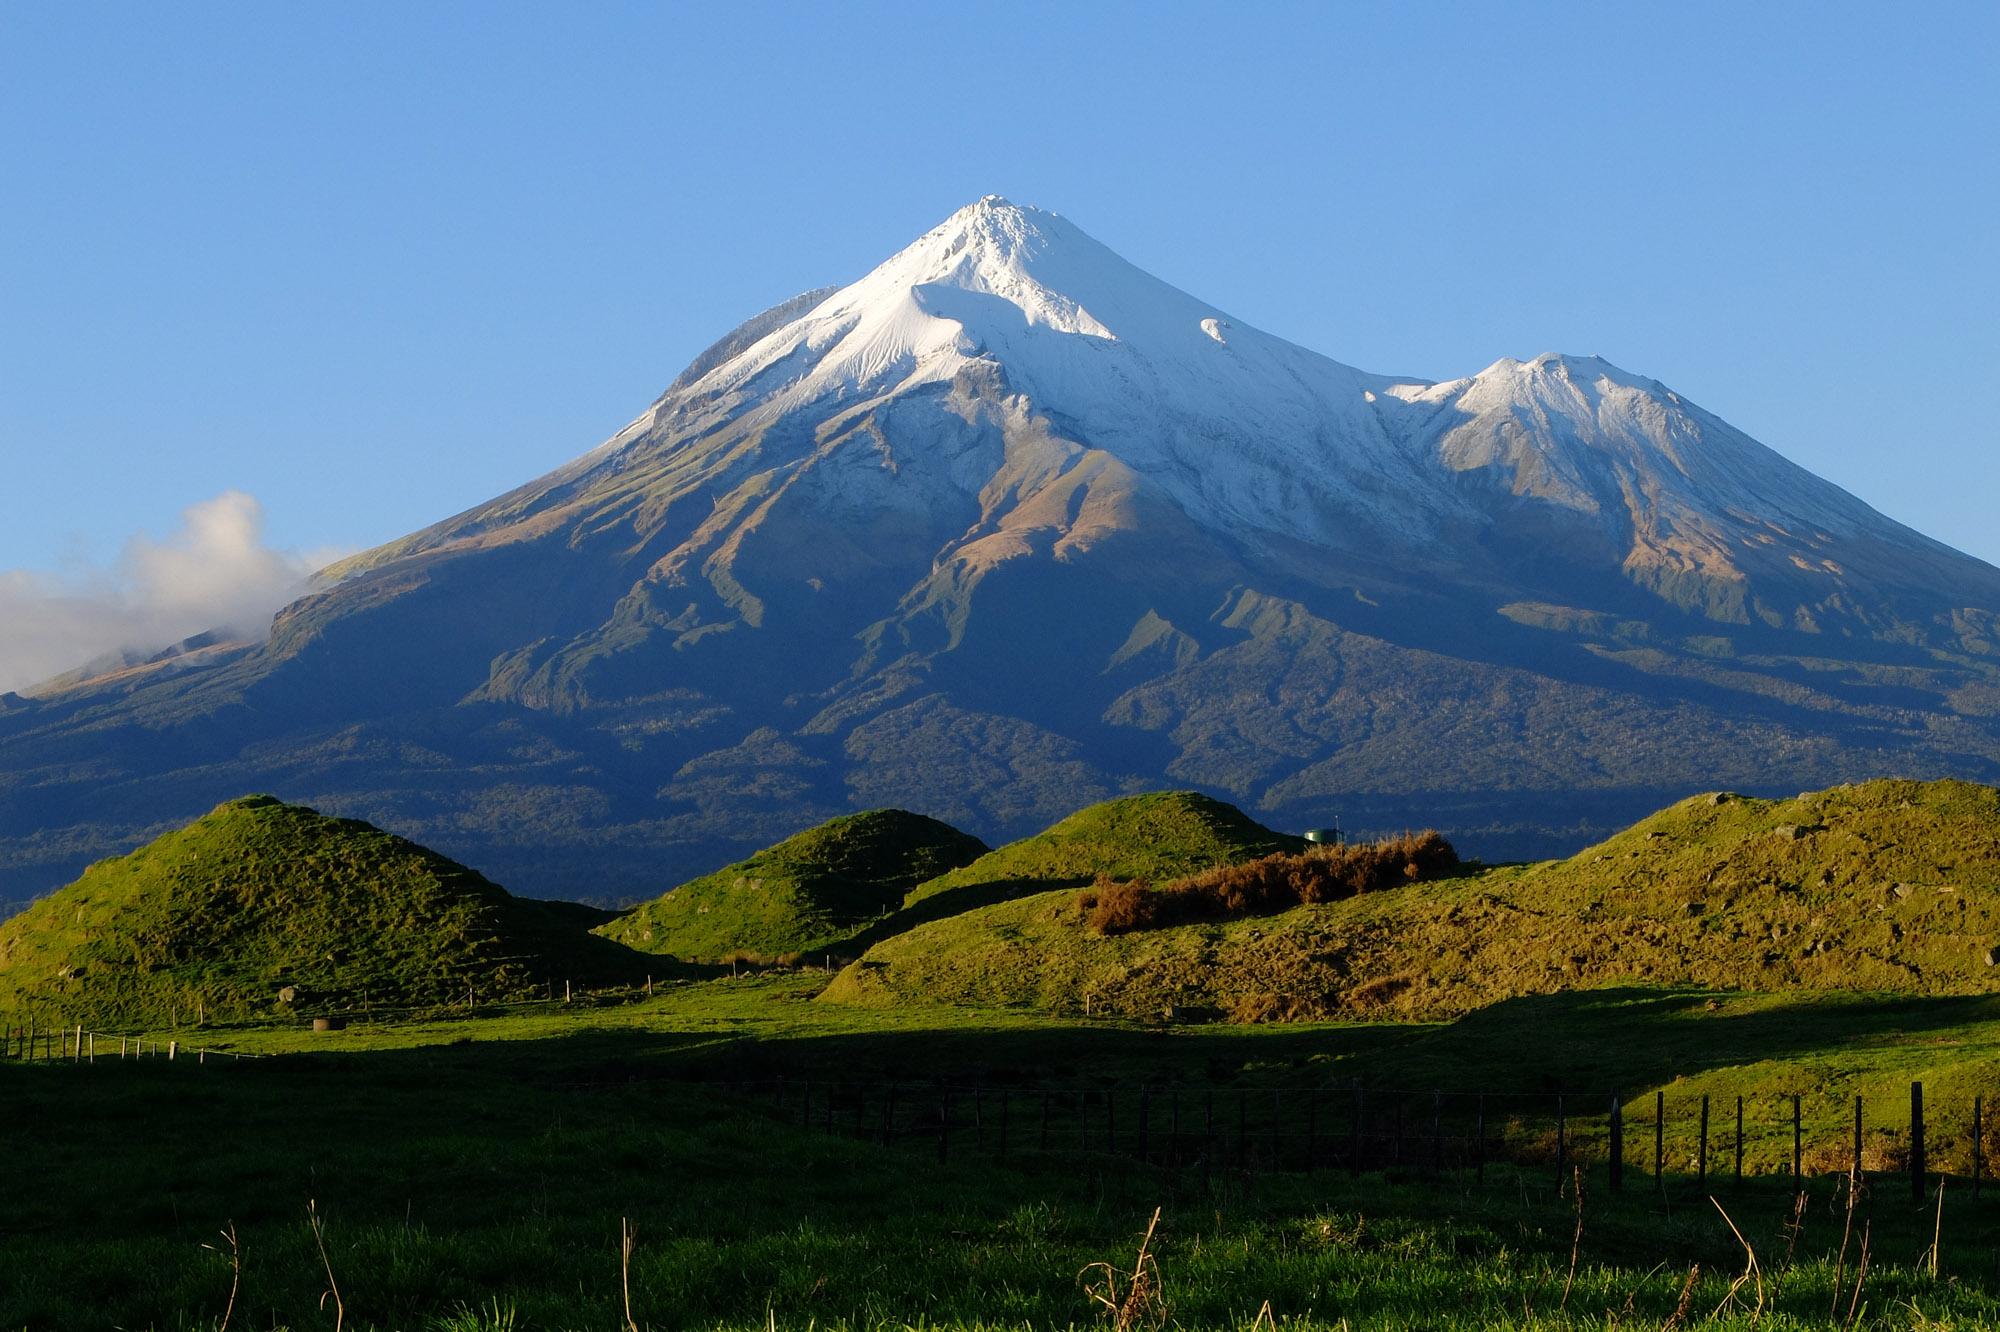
(1007, 527)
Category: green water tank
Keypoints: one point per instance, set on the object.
(1323, 836)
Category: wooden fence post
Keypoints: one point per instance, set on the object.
(1617, 1145)
(1312, 1129)
(1006, 1095)
(1739, 1144)
(1798, 1154)
(1277, 1122)
(1917, 1143)
(889, 1117)
(944, 1121)
(1701, 1156)
(978, 1111)
(1660, 1141)
(1561, 1132)
(1857, 1137)
(1978, 1147)
(1145, 1106)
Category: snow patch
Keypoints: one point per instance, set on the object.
(1272, 443)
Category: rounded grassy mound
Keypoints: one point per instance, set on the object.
(1885, 886)
(808, 892)
(1159, 836)
(261, 907)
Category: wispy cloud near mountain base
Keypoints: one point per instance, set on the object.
(212, 572)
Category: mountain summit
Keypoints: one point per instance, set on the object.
(1008, 526)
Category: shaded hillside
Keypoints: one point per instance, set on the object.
(261, 898)
(1888, 885)
(807, 892)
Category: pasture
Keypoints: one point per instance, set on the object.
(482, 1168)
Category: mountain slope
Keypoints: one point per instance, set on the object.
(262, 907)
(1891, 886)
(1008, 527)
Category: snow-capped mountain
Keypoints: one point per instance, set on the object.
(1008, 525)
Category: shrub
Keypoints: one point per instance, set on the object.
(1119, 907)
(1269, 884)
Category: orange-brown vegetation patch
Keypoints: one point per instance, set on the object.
(1270, 884)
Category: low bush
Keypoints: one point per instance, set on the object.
(1269, 884)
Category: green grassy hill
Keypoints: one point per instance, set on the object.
(1886, 886)
(260, 897)
(1162, 835)
(808, 892)
(1159, 836)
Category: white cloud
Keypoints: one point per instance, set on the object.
(213, 572)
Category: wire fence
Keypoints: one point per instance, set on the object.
(77, 1045)
(1715, 1142)
(361, 1006)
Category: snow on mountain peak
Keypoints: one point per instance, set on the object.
(1243, 431)
(1236, 425)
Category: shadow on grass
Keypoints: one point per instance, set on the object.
(949, 902)
(1634, 1036)
(1590, 1042)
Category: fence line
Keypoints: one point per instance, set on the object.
(1357, 1128)
(359, 1007)
(78, 1045)
(1354, 1127)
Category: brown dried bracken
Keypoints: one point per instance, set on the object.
(1139, 1300)
(1680, 1314)
(1272, 883)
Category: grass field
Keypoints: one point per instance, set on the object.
(475, 1168)
(1407, 1125)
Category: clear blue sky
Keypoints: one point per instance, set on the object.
(375, 262)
